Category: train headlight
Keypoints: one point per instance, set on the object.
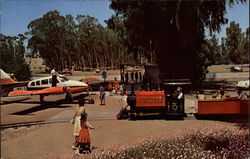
(174, 106)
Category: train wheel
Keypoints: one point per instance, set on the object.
(132, 115)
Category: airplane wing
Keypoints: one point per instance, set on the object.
(49, 91)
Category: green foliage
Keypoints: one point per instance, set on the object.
(173, 32)
(236, 44)
(211, 52)
(12, 57)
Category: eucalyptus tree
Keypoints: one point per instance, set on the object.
(86, 28)
(236, 44)
(116, 24)
(70, 41)
(48, 38)
(214, 54)
(12, 56)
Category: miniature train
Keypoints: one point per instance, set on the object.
(168, 104)
(165, 103)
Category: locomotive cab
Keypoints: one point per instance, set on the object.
(175, 96)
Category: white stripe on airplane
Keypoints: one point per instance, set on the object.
(63, 81)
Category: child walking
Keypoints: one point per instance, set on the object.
(84, 140)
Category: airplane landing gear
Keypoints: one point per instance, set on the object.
(42, 99)
(68, 97)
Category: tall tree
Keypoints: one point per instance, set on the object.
(235, 45)
(116, 23)
(47, 38)
(12, 56)
(233, 41)
(175, 30)
(214, 55)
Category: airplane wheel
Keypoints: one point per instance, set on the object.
(42, 100)
(68, 98)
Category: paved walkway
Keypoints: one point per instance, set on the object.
(97, 114)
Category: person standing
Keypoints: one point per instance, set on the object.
(122, 77)
(180, 99)
(220, 94)
(54, 77)
(241, 94)
(116, 85)
(132, 76)
(102, 95)
(140, 76)
(126, 77)
(136, 77)
(79, 111)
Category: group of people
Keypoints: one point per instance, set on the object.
(220, 94)
(133, 76)
(116, 89)
(81, 129)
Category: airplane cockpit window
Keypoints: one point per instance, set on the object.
(32, 84)
(63, 79)
(45, 81)
(37, 82)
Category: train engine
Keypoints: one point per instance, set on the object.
(168, 103)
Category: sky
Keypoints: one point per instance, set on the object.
(17, 14)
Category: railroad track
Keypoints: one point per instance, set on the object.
(27, 124)
(41, 122)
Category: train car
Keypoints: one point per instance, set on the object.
(223, 107)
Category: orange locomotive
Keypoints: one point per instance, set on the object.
(156, 95)
(166, 103)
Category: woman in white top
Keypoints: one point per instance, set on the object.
(80, 110)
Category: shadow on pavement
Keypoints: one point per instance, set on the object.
(46, 105)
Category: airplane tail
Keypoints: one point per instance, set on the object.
(5, 78)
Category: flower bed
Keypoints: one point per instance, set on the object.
(193, 144)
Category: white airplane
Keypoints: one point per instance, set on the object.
(62, 81)
(42, 87)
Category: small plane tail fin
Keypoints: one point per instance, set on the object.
(5, 78)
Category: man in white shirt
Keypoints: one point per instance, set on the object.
(180, 99)
(54, 78)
